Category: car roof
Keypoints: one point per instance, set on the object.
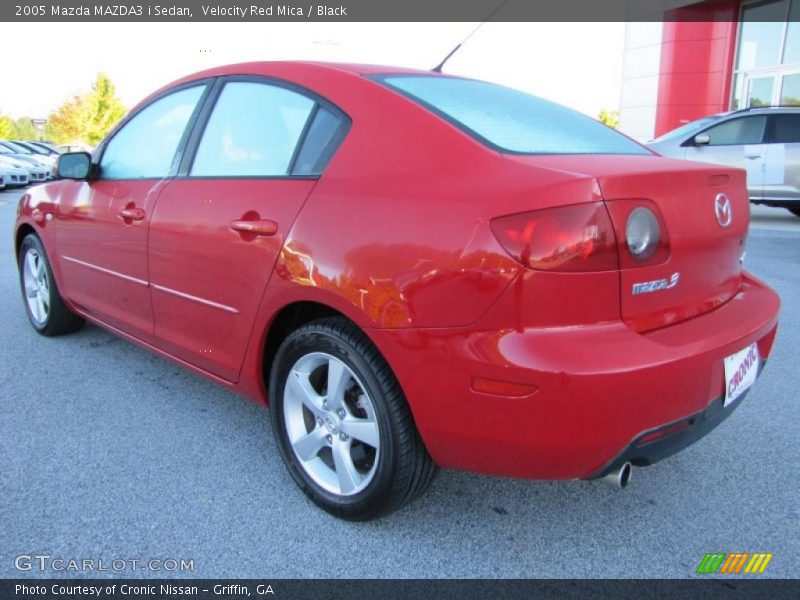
(280, 69)
(354, 68)
(310, 74)
(308, 70)
(761, 109)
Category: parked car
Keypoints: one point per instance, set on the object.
(15, 174)
(413, 270)
(38, 170)
(763, 141)
(44, 152)
(45, 156)
(48, 147)
(74, 147)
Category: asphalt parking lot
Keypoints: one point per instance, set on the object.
(107, 451)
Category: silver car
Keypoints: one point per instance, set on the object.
(764, 141)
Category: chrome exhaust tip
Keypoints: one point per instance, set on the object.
(619, 478)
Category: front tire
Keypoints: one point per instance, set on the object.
(343, 426)
(46, 310)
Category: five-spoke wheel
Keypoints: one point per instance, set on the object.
(331, 424)
(36, 284)
(46, 309)
(342, 423)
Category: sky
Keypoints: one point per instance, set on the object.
(576, 64)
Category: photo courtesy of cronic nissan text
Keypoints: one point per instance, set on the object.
(401, 299)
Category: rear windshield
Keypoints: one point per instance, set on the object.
(509, 120)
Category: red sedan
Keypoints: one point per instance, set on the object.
(413, 270)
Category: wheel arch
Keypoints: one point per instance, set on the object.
(22, 231)
(287, 319)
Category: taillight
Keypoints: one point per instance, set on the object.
(573, 238)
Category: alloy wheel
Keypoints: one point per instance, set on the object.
(37, 286)
(331, 424)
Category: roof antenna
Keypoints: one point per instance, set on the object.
(438, 68)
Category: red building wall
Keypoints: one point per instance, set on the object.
(697, 54)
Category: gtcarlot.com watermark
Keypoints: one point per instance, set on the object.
(60, 564)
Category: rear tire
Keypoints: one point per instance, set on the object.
(354, 450)
(44, 306)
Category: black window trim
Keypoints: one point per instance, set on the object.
(381, 78)
(690, 141)
(201, 122)
(97, 156)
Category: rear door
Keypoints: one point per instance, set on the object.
(782, 169)
(253, 159)
(737, 142)
(103, 223)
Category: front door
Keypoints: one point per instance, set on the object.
(219, 226)
(103, 224)
(737, 142)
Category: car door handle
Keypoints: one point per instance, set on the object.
(753, 156)
(262, 227)
(131, 213)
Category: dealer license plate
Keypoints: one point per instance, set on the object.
(741, 370)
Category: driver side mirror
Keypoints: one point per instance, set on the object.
(702, 139)
(74, 165)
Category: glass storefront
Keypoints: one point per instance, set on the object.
(768, 55)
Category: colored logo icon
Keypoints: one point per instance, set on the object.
(737, 562)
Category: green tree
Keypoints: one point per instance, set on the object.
(24, 129)
(106, 108)
(70, 121)
(86, 117)
(609, 117)
(6, 127)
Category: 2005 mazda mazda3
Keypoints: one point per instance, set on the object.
(413, 270)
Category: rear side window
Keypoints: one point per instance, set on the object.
(253, 131)
(785, 129)
(323, 138)
(509, 120)
(745, 130)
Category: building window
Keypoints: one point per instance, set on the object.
(768, 55)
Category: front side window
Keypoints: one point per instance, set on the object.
(145, 146)
(253, 131)
(509, 120)
(747, 130)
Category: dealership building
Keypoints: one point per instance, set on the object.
(708, 57)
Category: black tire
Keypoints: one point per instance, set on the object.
(404, 469)
(794, 211)
(59, 319)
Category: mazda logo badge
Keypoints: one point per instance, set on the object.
(722, 206)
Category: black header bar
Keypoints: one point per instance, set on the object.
(365, 10)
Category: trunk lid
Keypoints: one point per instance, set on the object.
(703, 269)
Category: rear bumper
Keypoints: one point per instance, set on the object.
(655, 445)
(595, 390)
